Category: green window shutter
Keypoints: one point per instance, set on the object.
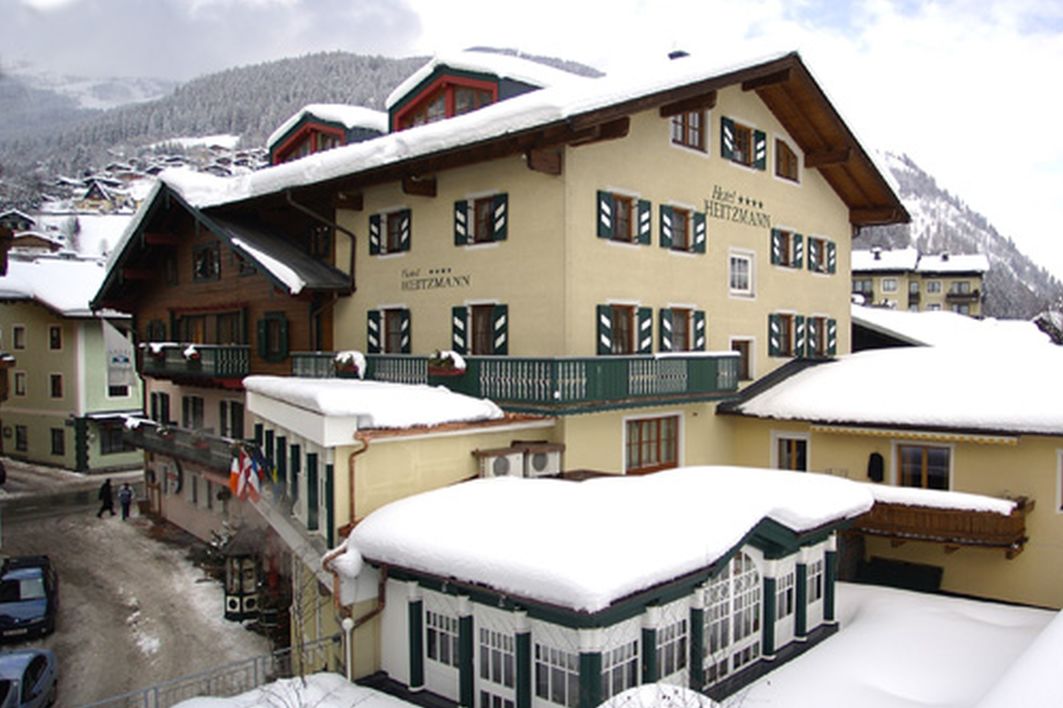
(500, 330)
(665, 319)
(406, 331)
(701, 234)
(261, 339)
(462, 231)
(374, 234)
(605, 214)
(774, 336)
(373, 335)
(605, 329)
(501, 217)
(832, 337)
(832, 257)
(776, 247)
(760, 150)
(727, 138)
(405, 230)
(282, 353)
(645, 330)
(799, 251)
(645, 234)
(666, 230)
(813, 253)
(699, 331)
(799, 336)
(459, 329)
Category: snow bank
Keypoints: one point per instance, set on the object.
(938, 499)
(375, 404)
(584, 545)
(324, 690)
(659, 695)
(1032, 680)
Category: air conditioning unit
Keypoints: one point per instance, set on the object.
(542, 461)
(504, 462)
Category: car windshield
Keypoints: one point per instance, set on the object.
(24, 589)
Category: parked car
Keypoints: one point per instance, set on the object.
(29, 678)
(29, 598)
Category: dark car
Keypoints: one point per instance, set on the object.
(29, 598)
(29, 678)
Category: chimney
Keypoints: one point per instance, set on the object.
(678, 54)
(877, 253)
(944, 255)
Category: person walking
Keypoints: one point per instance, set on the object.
(125, 499)
(106, 497)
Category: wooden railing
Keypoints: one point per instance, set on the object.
(954, 528)
(204, 447)
(226, 361)
(972, 296)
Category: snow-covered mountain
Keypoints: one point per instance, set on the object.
(1014, 287)
(93, 93)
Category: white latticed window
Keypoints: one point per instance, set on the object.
(815, 581)
(620, 669)
(732, 619)
(784, 596)
(672, 648)
(441, 635)
(497, 657)
(557, 675)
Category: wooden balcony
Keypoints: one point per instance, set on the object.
(555, 384)
(202, 447)
(958, 297)
(203, 361)
(955, 528)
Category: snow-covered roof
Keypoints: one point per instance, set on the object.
(375, 404)
(953, 263)
(321, 690)
(943, 328)
(348, 116)
(1032, 680)
(878, 259)
(63, 284)
(98, 234)
(605, 538)
(504, 66)
(939, 499)
(995, 389)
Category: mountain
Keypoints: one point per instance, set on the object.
(1015, 286)
(92, 93)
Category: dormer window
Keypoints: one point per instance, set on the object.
(468, 99)
(448, 97)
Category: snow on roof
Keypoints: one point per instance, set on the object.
(322, 690)
(227, 140)
(376, 404)
(590, 553)
(64, 284)
(953, 263)
(659, 695)
(1032, 680)
(348, 116)
(98, 234)
(991, 390)
(877, 259)
(527, 111)
(504, 66)
(939, 499)
(944, 328)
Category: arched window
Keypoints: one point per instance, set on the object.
(732, 619)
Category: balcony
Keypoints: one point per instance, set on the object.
(955, 528)
(202, 447)
(200, 361)
(958, 297)
(556, 385)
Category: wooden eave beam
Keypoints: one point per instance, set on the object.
(704, 102)
(419, 186)
(872, 216)
(155, 238)
(823, 158)
(611, 130)
(348, 200)
(757, 82)
(548, 160)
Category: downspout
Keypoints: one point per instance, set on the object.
(351, 520)
(317, 217)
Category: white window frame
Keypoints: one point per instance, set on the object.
(543, 645)
(750, 257)
(786, 595)
(673, 637)
(895, 467)
(621, 656)
(933, 286)
(751, 642)
(814, 571)
(777, 435)
(889, 285)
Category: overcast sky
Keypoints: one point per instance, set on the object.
(969, 89)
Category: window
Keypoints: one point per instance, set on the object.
(117, 391)
(672, 648)
(863, 286)
(557, 675)
(468, 99)
(390, 232)
(651, 444)
(933, 307)
(688, 130)
(192, 412)
(744, 347)
(791, 453)
(497, 669)
(889, 285)
(620, 669)
(624, 329)
(924, 466)
(682, 330)
(58, 441)
(960, 287)
(785, 161)
(160, 407)
(815, 581)
(398, 231)
(111, 440)
(319, 243)
(21, 438)
(682, 229)
(786, 248)
(18, 337)
(450, 99)
(962, 309)
(743, 145)
(913, 287)
(817, 333)
(273, 336)
(933, 286)
(55, 384)
(622, 317)
(822, 256)
(623, 218)
(480, 329)
(781, 334)
(732, 619)
(55, 337)
(155, 331)
(441, 638)
(741, 274)
(327, 141)
(482, 220)
(784, 596)
(231, 419)
(20, 383)
(206, 263)
(397, 330)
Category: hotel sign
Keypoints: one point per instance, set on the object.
(433, 279)
(729, 205)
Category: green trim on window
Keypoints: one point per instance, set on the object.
(830, 572)
(590, 679)
(696, 674)
(415, 622)
(767, 627)
(524, 669)
(801, 617)
(649, 655)
(466, 677)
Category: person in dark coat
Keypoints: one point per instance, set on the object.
(125, 499)
(106, 497)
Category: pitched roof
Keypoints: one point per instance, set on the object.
(944, 328)
(64, 284)
(878, 259)
(347, 116)
(953, 263)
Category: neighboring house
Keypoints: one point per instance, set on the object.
(702, 577)
(74, 380)
(936, 420)
(908, 280)
(879, 327)
(323, 126)
(15, 221)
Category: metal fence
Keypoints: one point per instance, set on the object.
(236, 678)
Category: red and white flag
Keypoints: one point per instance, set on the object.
(245, 476)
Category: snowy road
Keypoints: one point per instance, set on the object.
(133, 611)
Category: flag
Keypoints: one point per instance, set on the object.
(234, 475)
(249, 481)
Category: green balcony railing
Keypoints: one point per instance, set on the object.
(199, 446)
(202, 360)
(396, 368)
